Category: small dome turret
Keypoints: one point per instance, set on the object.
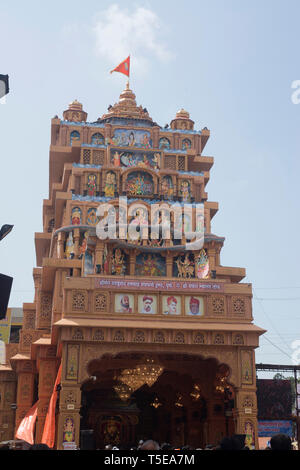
(75, 113)
(182, 121)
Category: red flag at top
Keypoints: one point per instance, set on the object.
(123, 67)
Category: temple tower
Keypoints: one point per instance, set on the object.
(155, 337)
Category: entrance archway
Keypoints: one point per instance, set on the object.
(189, 404)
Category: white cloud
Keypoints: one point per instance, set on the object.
(120, 32)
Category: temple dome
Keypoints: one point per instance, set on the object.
(182, 121)
(75, 112)
(75, 105)
(182, 114)
(127, 107)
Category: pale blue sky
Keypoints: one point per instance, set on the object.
(230, 63)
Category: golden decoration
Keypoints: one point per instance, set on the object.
(146, 372)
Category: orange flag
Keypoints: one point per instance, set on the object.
(123, 67)
(48, 436)
(26, 427)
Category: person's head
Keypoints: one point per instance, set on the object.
(194, 306)
(281, 442)
(172, 304)
(209, 447)
(150, 445)
(147, 303)
(186, 447)
(230, 443)
(166, 446)
(39, 447)
(125, 301)
(4, 446)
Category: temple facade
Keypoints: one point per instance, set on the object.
(155, 338)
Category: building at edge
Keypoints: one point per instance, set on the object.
(155, 337)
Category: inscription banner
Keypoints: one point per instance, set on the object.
(150, 284)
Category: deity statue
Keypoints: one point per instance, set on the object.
(185, 191)
(139, 183)
(83, 247)
(109, 189)
(92, 218)
(91, 185)
(70, 246)
(156, 161)
(167, 187)
(201, 265)
(118, 264)
(140, 218)
(186, 267)
(111, 432)
(131, 139)
(68, 432)
(249, 431)
(150, 268)
(164, 143)
(145, 141)
(88, 262)
(144, 162)
(117, 159)
(76, 216)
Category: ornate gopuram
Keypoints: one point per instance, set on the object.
(155, 337)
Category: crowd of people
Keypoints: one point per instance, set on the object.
(233, 443)
(279, 442)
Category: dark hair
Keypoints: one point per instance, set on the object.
(281, 442)
(166, 446)
(4, 447)
(230, 443)
(39, 447)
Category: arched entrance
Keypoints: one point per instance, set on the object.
(190, 402)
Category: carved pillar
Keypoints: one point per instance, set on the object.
(47, 376)
(176, 141)
(218, 251)
(63, 136)
(76, 238)
(85, 135)
(68, 429)
(58, 295)
(72, 183)
(245, 415)
(132, 262)
(60, 245)
(25, 389)
(99, 250)
(7, 398)
(197, 144)
(169, 265)
(209, 432)
(212, 258)
(37, 276)
(155, 136)
(207, 220)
